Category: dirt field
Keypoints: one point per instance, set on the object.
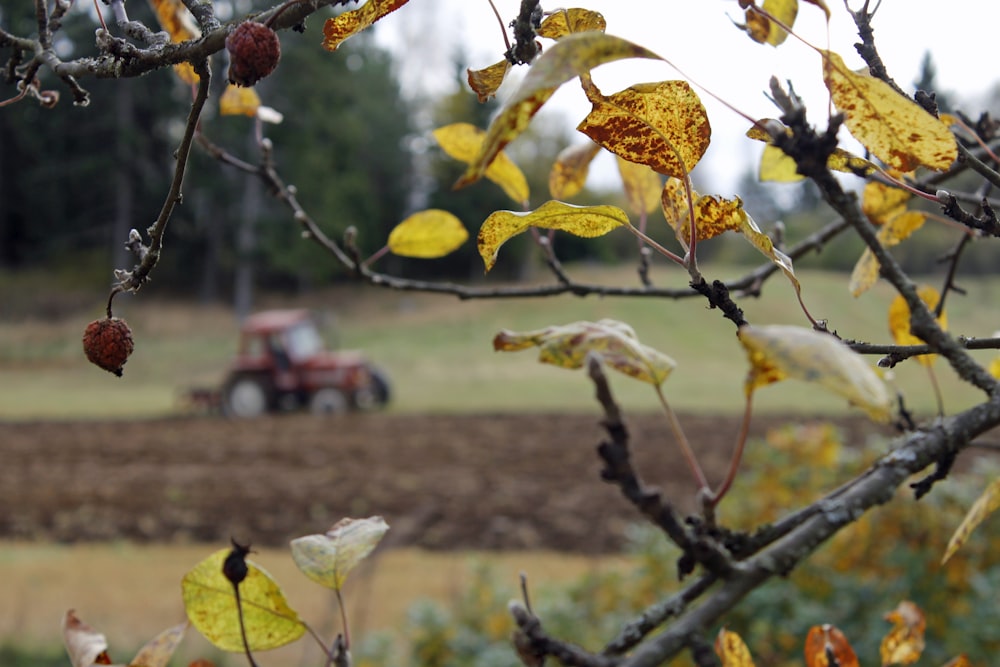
(442, 482)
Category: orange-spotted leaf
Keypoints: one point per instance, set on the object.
(563, 22)
(616, 343)
(571, 56)
(428, 234)
(239, 101)
(642, 186)
(896, 230)
(777, 352)
(731, 649)
(158, 651)
(327, 559)
(584, 221)
(85, 645)
(485, 82)
(713, 215)
(178, 22)
(464, 141)
(210, 603)
(985, 505)
(827, 646)
(899, 320)
(339, 28)
(662, 125)
(895, 129)
(569, 171)
(762, 29)
(904, 643)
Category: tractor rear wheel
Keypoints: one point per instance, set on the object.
(245, 396)
(328, 401)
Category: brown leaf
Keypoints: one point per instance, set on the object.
(342, 26)
(662, 125)
(485, 82)
(826, 644)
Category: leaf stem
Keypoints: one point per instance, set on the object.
(683, 443)
(657, 247)
(343, 619)
(243, 629)
(734, 463)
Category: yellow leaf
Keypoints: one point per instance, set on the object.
(995, 367)
(158, 651)
(764, 30)
(777, 166)
(485, 82)
(866, 271)
(563, 22)
(899, 320)
(211, 607)
(571, 56)
(569, 171)
(881, 202)
(823, 640)
(428, 234)
(905, 642)
(585, 221)
(615, 342)
(239, 100)
(958, 661)
(986, 504)
(642, 186)
(327, 559)
(895, 129)
(731, 649)
(758, 239)
(464, 141)
(175, 18)
(662, 125)
(777, 351)
(339, 28)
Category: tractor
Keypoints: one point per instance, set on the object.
(283, 365)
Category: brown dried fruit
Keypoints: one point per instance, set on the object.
(108, 343)
(254, 52)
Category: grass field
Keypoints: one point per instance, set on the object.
(437, 349)
(130, 593)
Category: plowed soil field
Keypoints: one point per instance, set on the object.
(442, 482)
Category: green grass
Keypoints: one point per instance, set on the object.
(437, 350)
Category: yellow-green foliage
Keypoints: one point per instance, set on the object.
(891, 554)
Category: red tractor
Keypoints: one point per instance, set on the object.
(283, 365)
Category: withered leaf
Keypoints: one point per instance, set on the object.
(904, 643)
(342, 26)
(485, 82)
(662, 125)
(563, 22)
(985, 505)
(571, 56)
(827, 639)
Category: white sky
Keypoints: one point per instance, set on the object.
(698, 36)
